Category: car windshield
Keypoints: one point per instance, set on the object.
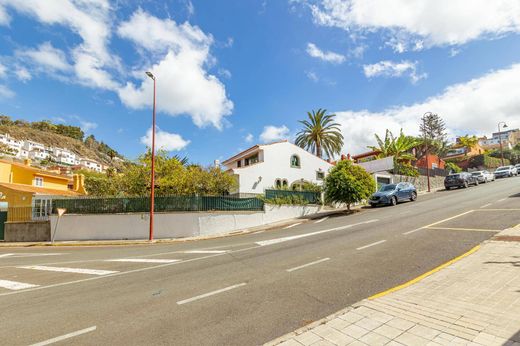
(503, 168)
(476, 173)
(454, 176)
(389, 187)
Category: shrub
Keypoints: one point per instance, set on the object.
(452, 167)
(486, 161)
(348, 183)
(405, 169)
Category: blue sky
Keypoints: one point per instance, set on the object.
(233, 73)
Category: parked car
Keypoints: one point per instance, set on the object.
(483, 176)
(391, 194)
(506, 171)
(462, 179)
(517, 166)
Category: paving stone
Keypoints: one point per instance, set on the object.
(338, 323)
(400, 323)
(323, 343)
(368, 323)
(389, 332)
(354, 331)
(307, 338)
(291, 342)
(411, 339)
(374, 339)
(425, 332)
(351, 317)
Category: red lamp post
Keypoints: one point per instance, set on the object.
(152, 177)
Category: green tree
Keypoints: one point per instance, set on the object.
(320, 134)
(452, 167)
(399, 147)
(7, 150)
(348, 183)
(433, 136)
(468, 142)
(5, 120)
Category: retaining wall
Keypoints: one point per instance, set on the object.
(169, 225)
(27, 231)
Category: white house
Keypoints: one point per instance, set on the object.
(279, 164)
(13, 144)
(64, 156)
(91, 164)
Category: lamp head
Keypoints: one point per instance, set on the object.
(149, 74)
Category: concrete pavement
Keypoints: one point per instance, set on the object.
(240, 290)
(472, 301)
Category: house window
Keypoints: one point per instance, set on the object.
(251, 160)
(320, 175)
(38, 181)
(278, 184)
(239, 163)
(295, 161)
(285, 183)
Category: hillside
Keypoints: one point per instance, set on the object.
(62, 136)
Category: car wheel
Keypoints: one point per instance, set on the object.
(476, 183)
(413, 196)
(393, 201)
(465, 185)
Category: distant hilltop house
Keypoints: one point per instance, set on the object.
(508, 139)
(27, 149)
(275, 165)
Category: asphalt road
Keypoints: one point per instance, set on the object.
(240, 290)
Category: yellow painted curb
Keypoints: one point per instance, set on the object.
(419, 278)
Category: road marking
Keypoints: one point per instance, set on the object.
(65, 337)
(501, 200)
(486, 205)
(449, 218)
(14, 286)
(143, 260)
(506, 209)
(413, 231)
(205, 251)
(419, 278)
(370, 245)
(205, 295)
(308, 264)
(284, 239)
(293, 225)
(71, 270)
(465, 229)
(322, 219)
(27, 254)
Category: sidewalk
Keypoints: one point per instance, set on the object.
(471, 301)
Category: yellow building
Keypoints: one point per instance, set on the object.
(20, 183)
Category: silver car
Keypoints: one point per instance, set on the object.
(506, 171)
(483, 176)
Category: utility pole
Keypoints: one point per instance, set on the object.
(500, 140)
(152, 177)
(427, 159)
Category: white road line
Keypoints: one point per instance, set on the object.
(486, 205)
(293, 225)
(322, 219)
(71, 270)
(205, 295)
(6, 255)
(449, 218)
(284, 239)
(501, 200)
(65, 337)
(205, 251)
(413, 231)
(372, 244)
(27, 254)
(143, 260)
(14, 286)
(308, 264)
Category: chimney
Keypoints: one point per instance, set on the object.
(216, 163)
(79, 183)
(27, 162)
(343, 157)
(348, 157)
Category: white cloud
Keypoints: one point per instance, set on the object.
(90, 20)
(47, 57)
(4, 17)
(5, 92)
(165, 140)
(394, 69)
(3, 71)
(23, 75)
(414, 24)
(474, 107)
(327, 56)
(273, 133)
(183, 84)
(249, 138)
(86, 126)
(312, 76)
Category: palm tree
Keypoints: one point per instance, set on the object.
(398, 147)
(468, 142)
(320, 134)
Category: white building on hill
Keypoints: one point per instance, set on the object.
(275, 165)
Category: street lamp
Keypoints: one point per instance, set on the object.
(152, 178)
(426, 143)
(500, 140)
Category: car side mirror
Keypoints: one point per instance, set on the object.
(398, 189)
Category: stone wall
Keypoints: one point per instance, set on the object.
(421, 182)
(27, 231)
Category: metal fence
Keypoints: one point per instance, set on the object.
(92, 205)
(310, 196)
(19, 214)
(434, 172)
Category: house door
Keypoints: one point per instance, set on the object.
(3, 219)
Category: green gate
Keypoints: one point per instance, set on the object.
(3, 219)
